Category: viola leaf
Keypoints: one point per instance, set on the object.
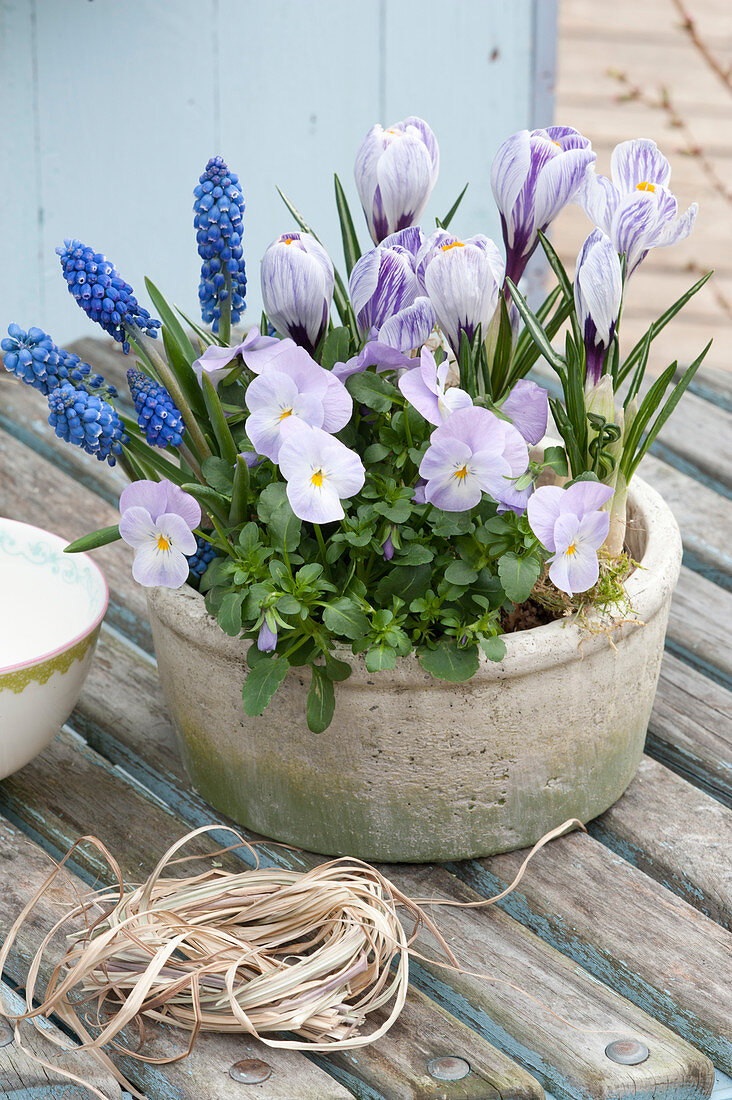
(518, 575)
(448, 661)
(261, 683)
(344, 617)
(494, 648)
(321, 700)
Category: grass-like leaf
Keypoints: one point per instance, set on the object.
(351, 247)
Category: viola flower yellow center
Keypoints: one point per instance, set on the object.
(318, 478)
(644, 185)
(163, 543)
(285, 412)
(462, 472)
(455, 244)
(571, 549)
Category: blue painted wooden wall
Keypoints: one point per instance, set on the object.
(110, 109)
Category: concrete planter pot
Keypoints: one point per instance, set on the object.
(416, 769)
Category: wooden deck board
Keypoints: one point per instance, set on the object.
(69, 785)
(691, 728)
(688, 851)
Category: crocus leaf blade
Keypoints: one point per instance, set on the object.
(94, 540)
(351, 247)
(444, 223)
(673, 400)
(538, 334)
(660, 324)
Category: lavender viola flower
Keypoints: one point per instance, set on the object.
(395, 172)
(158, 520)
(373, 354)
(424, 388)
(256, 351)
(472, 452)
(598, 293)
(320, 472)
(294, 386)
(297, 288)
(569, 523)
(387, 547)
(386, 296)
(535, 173)
(463, 280)
(527, 407)
(635, 207)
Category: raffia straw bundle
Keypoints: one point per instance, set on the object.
(269, 950)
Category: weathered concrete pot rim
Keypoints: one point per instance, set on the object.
(653, 538)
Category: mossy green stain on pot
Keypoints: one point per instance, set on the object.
(414, 769)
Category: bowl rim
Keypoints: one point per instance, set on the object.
(63, 543)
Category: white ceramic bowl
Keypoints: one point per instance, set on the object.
(51, 608)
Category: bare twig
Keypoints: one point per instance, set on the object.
(688, 25)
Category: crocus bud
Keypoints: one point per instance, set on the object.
(535, 173)
(598, 292)
(297, 288)
(463, 280)
(395, 172)
(386, 296)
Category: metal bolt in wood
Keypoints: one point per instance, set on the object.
(250, 1071)
(627, 1052)
(448, 1069)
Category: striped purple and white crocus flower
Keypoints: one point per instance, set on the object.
(320, 472)
(297, 288)
(598, 294)
(293, 385)
(535, 173)
(635, 206)
(473, 451)
(395, 172)
(572, 526)
(386, 296)
(463, 279)
(157, 520)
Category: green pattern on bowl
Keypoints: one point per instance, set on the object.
(41, 673)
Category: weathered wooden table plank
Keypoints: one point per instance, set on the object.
(636, 936)
(691, 728)
(22, 1078)
(122, 716)
(704, 518)
(698, 626)
(70, 786)
(688, 850)
(24, 866)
